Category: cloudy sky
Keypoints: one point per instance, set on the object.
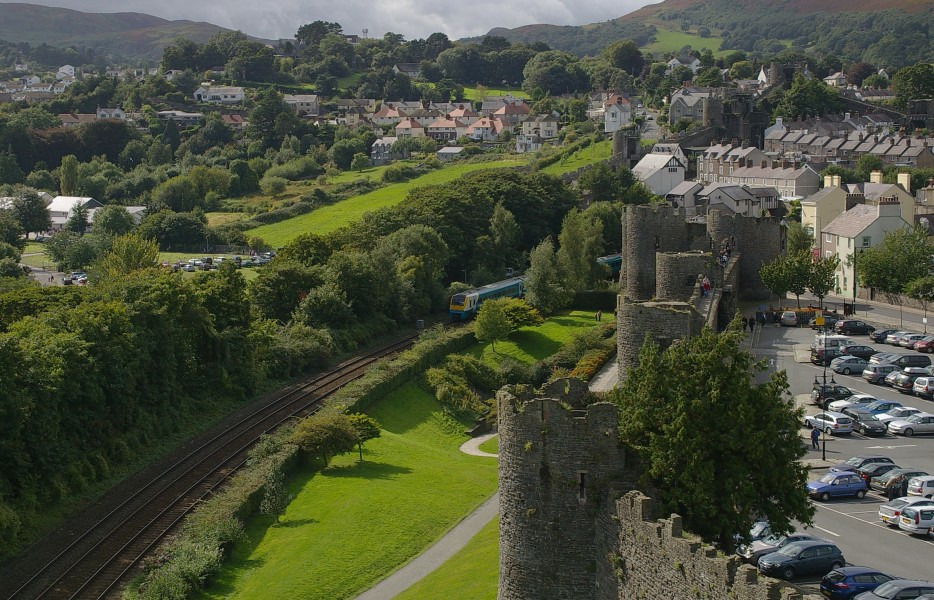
(412, 18)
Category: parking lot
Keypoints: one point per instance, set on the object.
(853, 525)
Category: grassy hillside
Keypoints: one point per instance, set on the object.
(583, 157)
(329, 218)
(668, 40)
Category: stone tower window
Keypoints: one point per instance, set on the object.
(581, 487)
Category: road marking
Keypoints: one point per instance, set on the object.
(876, 524)
(827, 531)
(890, 447)
(859, 512)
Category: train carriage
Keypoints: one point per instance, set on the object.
(465, 304)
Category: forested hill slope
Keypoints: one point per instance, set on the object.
(884, 32)
(128, 35)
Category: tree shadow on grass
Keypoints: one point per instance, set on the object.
(568, 321)
(535, 344)
(367, 470)
(295, 522)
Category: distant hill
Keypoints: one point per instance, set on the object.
(126, 36)
(884, 32)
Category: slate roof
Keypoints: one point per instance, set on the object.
(854, 221)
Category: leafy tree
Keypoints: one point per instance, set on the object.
(360, 161)
(866, 164)
(113, 220)
(858, 72)
(491, 323)
(281, 285)
(10, 171)
(128, 253)
(11, 232)
(709, 77)
(581, 242)
(175, 230)
(775, 275)
(798, 266)
(554, 73)
(742, 69)
(903, 256)
(544, 288)
(31, 211)
(325, 436)
(72, 251)
(272, 119)
(922, 290)
(876, 82)
(343, 152)
(719, 481)
(273, 186)
(520, 313)
(913, 83)
(275, 496)
(366, 427)
(625, 54)
(809, 97)
(797, 239)
(821, 277)
(325, 306)
(78, 221)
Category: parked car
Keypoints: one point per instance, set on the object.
(802, 558)
(829, 322)
(879, 335)
(759, 530)
(837, 484)
(844, 583)
(864, 421)
(889, 379)
(911, 360)
(848, 364)
(890, 512)
(905, 380)
(862, 460)
(821, 393)
(894, 476)
(853, 327)
(924, 345)
(859, 400)
(832, 423)
(871, 470)
(789, 318)
(876, 373)
(898, 589)
(917, 520)
(751, 553)
(921, 486)
(880, 406)
(825, 356)
(859, 350)
(895, 338)
(923, 387)
(908, 341)
(920, 423)
(897, 413)
(828, 340)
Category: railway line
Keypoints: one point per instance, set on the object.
(92, 555)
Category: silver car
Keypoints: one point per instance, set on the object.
(892, 510)
(919, 423)
(856, 400)
(848, 364)
(833, 423)
(898, 413)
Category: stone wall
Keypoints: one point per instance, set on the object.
(558, 460)
(650, 556)
(759, 241)
(677, 272)
(664, 322)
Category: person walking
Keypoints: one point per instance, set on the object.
(815, 438)
(745, 324)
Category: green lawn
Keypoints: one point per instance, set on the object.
(491, 445)
(668, 40)
(34, 255)
(531, 344)
(585, 156)
(353, 523)
(471, 574)
(471, 93)
(222, 218)
(329, 218)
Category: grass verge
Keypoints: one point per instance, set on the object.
(491, 445)
(531, 344)
(329, 218)
(352, 523)
(471, 574)
(593, 153)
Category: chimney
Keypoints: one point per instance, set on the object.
(836, 180)
(852, 200)
(744, 145)
(875, 177)
(764, 164)
(904, 180)
(889, 207)
(784, 164)
(749, 162)
(828, 181)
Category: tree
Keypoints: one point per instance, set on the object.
(554, 73)
(272, 119)
(709, 77)
(10, 171)
(858, 72)
(797, 239)
(325, 436)
(78, 221)
(775, 276)
(543, 286)
(491, 323)
(625, 54)
(360, 161)
(113, 220)
(719, 478)
(275, 496)
(273, 186)
(798, 266)
(128, 253)
(581, 242)
(31, 212)
(822, 276)
(742, 69)
(809, 97)
(903, 256)
(913, 83)
(366, 427)
(866, 164)
(11, 232)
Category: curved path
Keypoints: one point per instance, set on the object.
(446, 547)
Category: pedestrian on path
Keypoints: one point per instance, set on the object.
(745, 324)
(815, 438)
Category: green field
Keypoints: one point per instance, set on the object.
(472, 93)
(329, 218)
(530, 344)
(593, 153)
(34, 255)
(471, 574)
(668, 40)
(353, 523)
(491, 445)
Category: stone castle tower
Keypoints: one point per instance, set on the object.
(558, 460)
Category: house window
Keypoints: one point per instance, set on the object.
(828, 254)
(721, 169)
(867, 240)
(828, 238)
(849, 242)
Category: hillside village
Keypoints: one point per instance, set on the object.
(368, 183)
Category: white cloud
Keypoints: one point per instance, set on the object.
(412, 18)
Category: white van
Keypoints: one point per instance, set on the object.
(832, 341)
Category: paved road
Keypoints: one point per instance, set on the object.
(853, 524)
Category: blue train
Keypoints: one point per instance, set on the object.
(465, 304)
(613, 261)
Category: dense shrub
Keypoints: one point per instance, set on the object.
(301, 168)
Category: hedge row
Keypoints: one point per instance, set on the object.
(179, 569)
(567, 151)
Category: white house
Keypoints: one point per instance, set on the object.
(111, 113)
(306, 105)
(690, 62)
(617, 113)
(219, 94)
(661, 173)
(62, 208)
(65, 71)
(863, 226)
(838, 79)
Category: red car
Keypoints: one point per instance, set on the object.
(925, 345)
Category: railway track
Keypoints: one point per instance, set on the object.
(93, 559)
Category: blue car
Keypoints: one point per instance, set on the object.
(880, 406)
(836, 484)
(846, 582)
